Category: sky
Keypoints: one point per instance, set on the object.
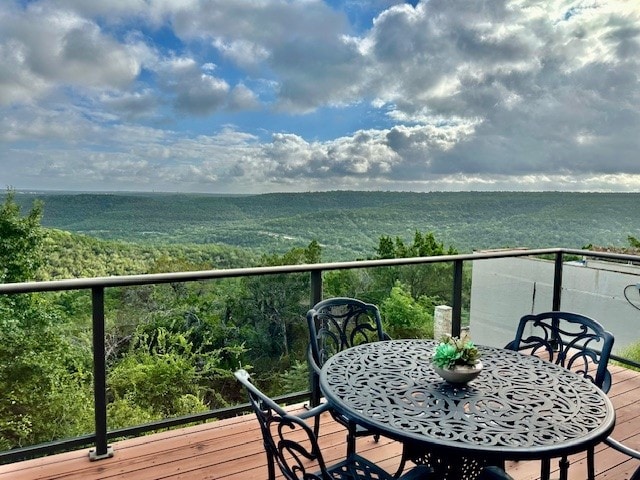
(258, 96)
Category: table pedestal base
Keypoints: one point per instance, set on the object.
(444, 467)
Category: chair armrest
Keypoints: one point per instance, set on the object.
(312, 361)
(315, 411)
(615, 444)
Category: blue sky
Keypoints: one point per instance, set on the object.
(239, 96)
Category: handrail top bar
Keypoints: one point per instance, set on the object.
(155, 278)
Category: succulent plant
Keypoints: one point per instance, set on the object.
(453, 351)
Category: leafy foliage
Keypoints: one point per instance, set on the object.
(170, 348)
(406, 317)
(20, 241)
(296, 378)
(43, 376)
(75, 256)
(631, 352)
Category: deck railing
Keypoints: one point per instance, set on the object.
(99, 439)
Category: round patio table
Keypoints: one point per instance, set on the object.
(519, 407)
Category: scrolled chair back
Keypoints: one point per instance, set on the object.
(574, 341)
(287, 439)
(339, 323)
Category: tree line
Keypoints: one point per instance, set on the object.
(348, 224)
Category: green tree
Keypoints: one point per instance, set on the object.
(21, 240)
(273, 311)
(45, 380)
(347, 283)
(405, 317)
(184, 342)
(432, 280)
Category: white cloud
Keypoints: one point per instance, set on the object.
(244, 53)
(505, 94)
(242, 98)
(46, 49)
(132, 105)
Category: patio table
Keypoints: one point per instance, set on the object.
(519, 408)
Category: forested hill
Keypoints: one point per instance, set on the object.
(348, 224)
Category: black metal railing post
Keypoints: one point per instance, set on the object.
(316, 286)
(557, 281)
(102, 450)
(557, 295)
(456, 303)
(316, 296)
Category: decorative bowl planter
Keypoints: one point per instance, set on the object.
(459, 374)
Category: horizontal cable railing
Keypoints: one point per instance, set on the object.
(98, 285)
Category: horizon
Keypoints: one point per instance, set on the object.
(282, 96)
(213, 194)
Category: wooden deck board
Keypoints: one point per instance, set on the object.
(232, 449)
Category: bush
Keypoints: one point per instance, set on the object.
(404, 317)
(154, 383)
(632, 352)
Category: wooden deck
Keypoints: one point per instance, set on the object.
(232, 450)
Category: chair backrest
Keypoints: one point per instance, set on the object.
(574, 341)
(339, 323)
(288, 440)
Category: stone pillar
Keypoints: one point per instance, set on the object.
(441, 321)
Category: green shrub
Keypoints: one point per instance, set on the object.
(405, 317)
(632, 352)
(154, 383)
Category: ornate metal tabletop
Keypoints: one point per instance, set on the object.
(520, 407)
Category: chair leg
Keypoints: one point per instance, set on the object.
(591, 467)
(351, 443)
(403, 462)
(545, 469)
(316, 425)
(271, 468)
(564, 468)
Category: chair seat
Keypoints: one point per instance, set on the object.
(494, 473)
(355, 467)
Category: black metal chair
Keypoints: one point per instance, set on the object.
(619, 446)
(339, 323)
(291, 443)
(574, 341)
(334, 325)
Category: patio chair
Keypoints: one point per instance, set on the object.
(291, 443)
(334, 325)
(621, 447)
(574, 341)
(339, 323)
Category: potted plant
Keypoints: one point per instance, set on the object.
(457, 360)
